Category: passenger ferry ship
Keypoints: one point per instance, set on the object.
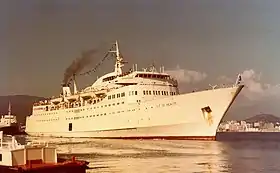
(135, 104)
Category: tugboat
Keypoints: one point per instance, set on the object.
(35, 158)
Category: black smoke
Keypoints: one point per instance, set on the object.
(78, 65)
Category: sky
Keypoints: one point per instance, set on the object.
(200, 42)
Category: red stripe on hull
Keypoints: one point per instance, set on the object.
(203, 138)
(63, 167)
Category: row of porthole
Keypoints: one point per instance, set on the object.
(167, 104)
(113, 104)
(48, 120)
(89, 116)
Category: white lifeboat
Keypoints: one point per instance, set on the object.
(87, 95)
(56, 100)
(72, 98)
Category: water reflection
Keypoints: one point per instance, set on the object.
(259, 154)
(253, 156)
(142, 156)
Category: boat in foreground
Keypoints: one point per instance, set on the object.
(134, 104)
(9, 124)
(31, 158)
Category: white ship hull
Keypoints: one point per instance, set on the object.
(178, 116)
(8, 125)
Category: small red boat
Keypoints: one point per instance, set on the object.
(16, 158)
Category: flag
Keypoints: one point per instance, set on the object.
(238, 80)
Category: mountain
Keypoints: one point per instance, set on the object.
(269, 118)
(21, 105)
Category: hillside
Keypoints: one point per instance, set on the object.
(21, 105)
(264, 118)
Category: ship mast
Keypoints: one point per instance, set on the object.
(119, 60)
(9, 112)
(9, 109)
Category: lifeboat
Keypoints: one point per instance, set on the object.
(56, 100)
(87, 95)
(72, 98)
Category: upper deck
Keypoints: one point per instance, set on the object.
(109, 82)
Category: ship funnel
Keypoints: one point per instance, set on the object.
(66, 90)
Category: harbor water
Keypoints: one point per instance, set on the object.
(233, 152)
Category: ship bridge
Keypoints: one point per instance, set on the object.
(105, 78)
(153, 75)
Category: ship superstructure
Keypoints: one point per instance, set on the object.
(142, 103)
(8, 120)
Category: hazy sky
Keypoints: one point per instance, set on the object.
(208, 41)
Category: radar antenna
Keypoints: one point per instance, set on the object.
(213, 87)
(153, 67)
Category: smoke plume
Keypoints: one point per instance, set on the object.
(77, 65)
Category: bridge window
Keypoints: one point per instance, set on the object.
(155, 76)
(123, 94)
(109, 78)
